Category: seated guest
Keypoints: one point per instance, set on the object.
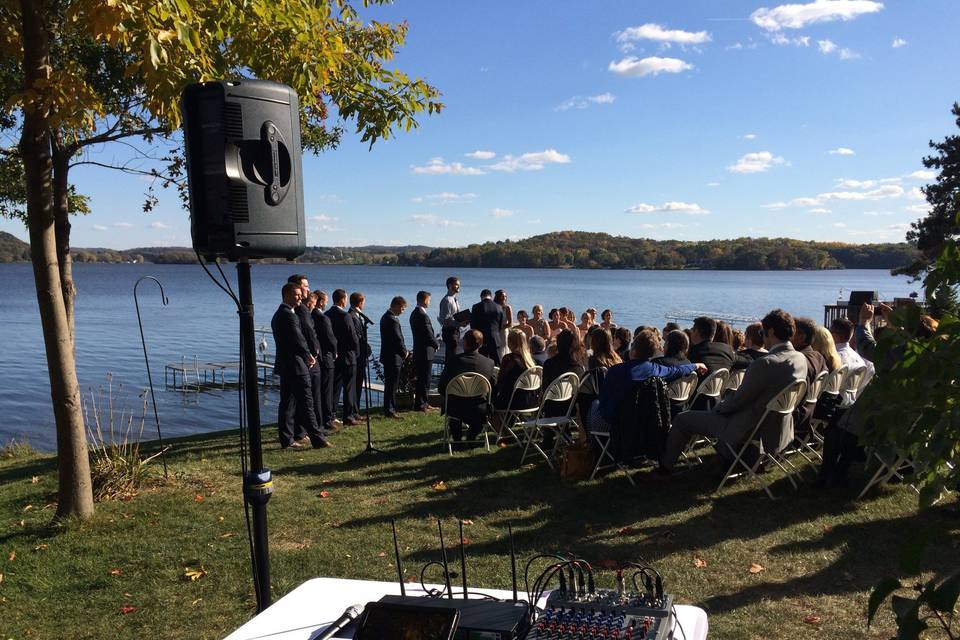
(724, 333)
(555, 326)
(538, 349)
(603, 356)
(670, 326)
(512, 366)
(753, 342)
(523, 325)
(540, 326)
(738, 340)
(823, 344)
(716, 355)
(569, 357)
(607, 318)
(675, 347)
(585, 324)
(621, 377)
(734, 418)
(621, 342)
(805, 328)
(472, 411)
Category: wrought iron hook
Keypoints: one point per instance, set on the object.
(146, 360)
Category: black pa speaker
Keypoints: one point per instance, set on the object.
(242, 141)
(857, 300)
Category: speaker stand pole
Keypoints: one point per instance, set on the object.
(257, 482)
(366, 394)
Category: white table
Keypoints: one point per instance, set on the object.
(306, 611)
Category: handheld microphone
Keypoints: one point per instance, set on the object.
(352, 613)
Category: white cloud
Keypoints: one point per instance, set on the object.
(902, 227)
(669, 207)
(874, 214)
(922, 209)
(713, 184)
(797, 16)
(501, 213)
(429, 219)
(848, 54)
(99, 227)
(916, 194)
(159, 225)
(579, 102)
(736, 46)
(880, 193)
(657, 33)
(749, 136)
(782, 40)
(898, 42)
(923, 175)
(661, 225)
(323, 218)
(841, 151)
(481, 155)
(755, 162)
(819, 210)
(327, 228)
(826, 46)
(636, 68)
(855, 184)
(436, 166)
(123, 225)
(533, 161)
(445, 197)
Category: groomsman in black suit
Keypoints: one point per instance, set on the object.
(328, 357)
(425, 345)
(393, 352)
(487, 317)
(345, 365)
(310, 335)
(292, 364)
(360, 322)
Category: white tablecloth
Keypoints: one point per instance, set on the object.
(306, 611)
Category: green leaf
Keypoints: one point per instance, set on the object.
(879, 594)
(944, 597)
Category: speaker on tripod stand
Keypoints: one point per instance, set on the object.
(242, 141)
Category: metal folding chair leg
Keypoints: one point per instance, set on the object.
(751, 470)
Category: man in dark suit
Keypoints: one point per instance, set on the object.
(292, 364)
(732, 420)
(487, 317)
(345, 365)
(716, 355)
(393, 352)
(310, 335)
(425, 345)
(360, 322)
(473, 411)
(328, 358)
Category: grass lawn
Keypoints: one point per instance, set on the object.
(124, 573)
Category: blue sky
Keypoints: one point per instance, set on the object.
(687, 120)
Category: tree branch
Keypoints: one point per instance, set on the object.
(131, 170)
(106, 137)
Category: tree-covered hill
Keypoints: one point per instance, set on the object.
(13, 249)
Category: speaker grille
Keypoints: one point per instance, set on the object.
(233, 120)
(239, 207)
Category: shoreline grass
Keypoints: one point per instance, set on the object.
(127, 572)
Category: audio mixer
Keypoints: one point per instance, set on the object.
(604, 615)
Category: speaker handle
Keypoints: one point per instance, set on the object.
(271, 138)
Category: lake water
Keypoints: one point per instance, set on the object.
(201, 321)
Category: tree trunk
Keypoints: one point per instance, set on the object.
(61, 216)
(75, 491)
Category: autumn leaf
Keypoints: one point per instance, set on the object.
(194, 574)
(382, 554)
(439, 485)
(116, 572)
(219, 518)
(324, 494)
(198, 498)
(23, 523)
(228, 534)
(466, 541)
(12, 555)
(196, 602)
(812, 619)
(467, 522)
(28, 507)
(41, 547)
(127, 608)
(699, 562)
(1, 577)
(756, 568)
(34, 479)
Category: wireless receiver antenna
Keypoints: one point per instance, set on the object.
(396, 551)
(513, 562)
(463, 563)
(446, 566)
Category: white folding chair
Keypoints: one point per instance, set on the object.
(563, 389)
(829, 392)
(808, 441)
(712, 389)
(529, 380)
(852, 386)
(733, 381)
(680, 390)
(465, 385)
(783, 404)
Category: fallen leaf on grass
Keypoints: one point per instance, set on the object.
(757, 568)
(116, 572)
(466, 541)
(196, 602)
(198, 498)
(439, 485)
(827, 528)
(34, 479)
(194, 574)
(219, 518)
(324, 494)
(12, 556)
(28, 507)
(228, 534)
(41, 547)
(23, 523)
(382, 554)
(127, 608)
(1, 577)
(626, 531)
(812, 619)
(467, 522)
(699, 562)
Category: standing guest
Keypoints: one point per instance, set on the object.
(345, 365)
(500, 297)
(753, 342)
(607, 317)
(566, 317)
(513, 365)
(675, 346)
(472, 411)
(603, 354)
(539, 324)
(310, 335)
(538, 349)
(523, 325)
(805, 328)
(621, 342)
(360, 322)
(593, 315)
(734, 418)
(716, 355)
(554, 325)
(487, 317)
(327, 360)
(585, 324)
(449, 326)
(425, 346)
(393, 352)
(292, 363)
(823, 344)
